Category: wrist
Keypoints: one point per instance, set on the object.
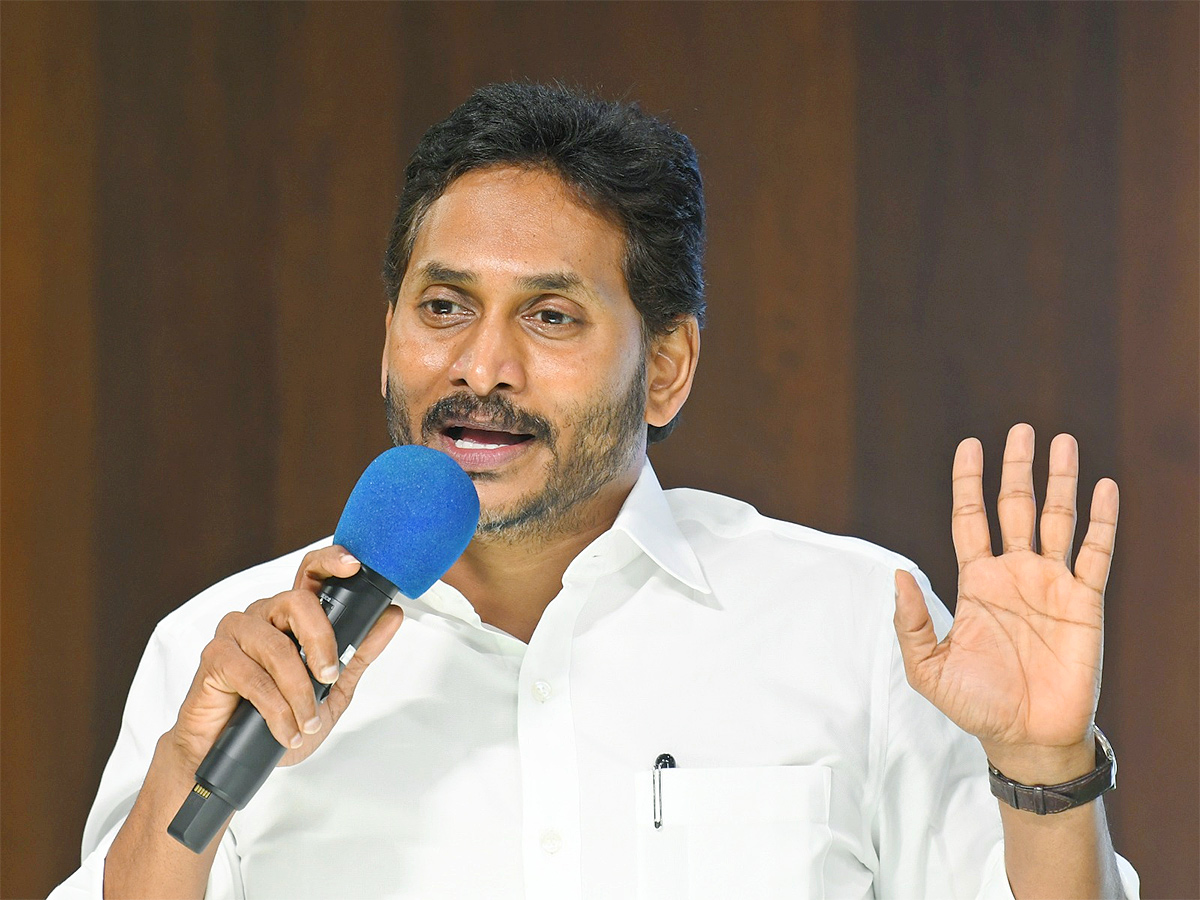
(1043, 798)
(1039, 764)
(143, 859)
(167, 784)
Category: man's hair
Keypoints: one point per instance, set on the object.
(626, 165)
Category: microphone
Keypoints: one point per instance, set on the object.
(408, 519)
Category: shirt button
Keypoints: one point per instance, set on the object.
(551, 841)
(542, 691)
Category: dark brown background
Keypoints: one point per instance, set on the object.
(927, 222)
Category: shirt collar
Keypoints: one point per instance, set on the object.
(647, 519)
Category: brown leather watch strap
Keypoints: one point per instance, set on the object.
(1044, 799)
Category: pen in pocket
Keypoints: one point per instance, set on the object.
(664, 761)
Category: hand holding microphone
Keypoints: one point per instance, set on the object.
(408, 519)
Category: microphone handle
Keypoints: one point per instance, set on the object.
(245, 751)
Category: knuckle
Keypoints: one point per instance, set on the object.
(265, 694)
(278, 647)
(1016, 493)
(314, 629)
(1058, 509)
(261, 608)
(209, 657)
(215, 651)
(230, 622)
(285, 600)
(281, 657)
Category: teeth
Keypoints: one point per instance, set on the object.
(465, 444)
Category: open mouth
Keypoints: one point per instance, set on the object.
(474, 438)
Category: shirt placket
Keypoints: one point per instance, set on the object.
(549, 763)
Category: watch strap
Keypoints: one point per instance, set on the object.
(1045, 799)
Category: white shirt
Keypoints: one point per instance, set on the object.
(760, 654)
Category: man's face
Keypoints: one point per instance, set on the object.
(514, 347)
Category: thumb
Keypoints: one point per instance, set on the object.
(914, 630)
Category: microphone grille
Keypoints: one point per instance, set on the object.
(410, 516)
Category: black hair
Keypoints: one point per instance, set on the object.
(626, 164)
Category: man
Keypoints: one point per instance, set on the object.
(616, 691)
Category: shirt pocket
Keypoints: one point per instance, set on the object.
(759, 832)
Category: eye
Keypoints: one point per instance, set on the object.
(442, 310)
(553, 317)
(440, 306)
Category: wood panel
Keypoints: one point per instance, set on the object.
(1153, 660)
(771, 418)
(50, 426)
(985, 251)
(185, 380)
(335, 171)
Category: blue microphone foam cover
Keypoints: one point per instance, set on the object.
(411, 515)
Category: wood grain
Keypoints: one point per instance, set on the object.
(49, 231)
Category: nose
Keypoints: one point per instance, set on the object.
(490, 358)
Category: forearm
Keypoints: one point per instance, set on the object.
(1068, 854)
(144, 861)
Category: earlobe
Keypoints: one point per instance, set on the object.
(670, 368)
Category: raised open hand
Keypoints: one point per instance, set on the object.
(1020, 667)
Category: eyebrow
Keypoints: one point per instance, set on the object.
(544, 281)
(553, 281)
(435, 271)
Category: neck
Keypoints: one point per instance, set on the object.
(510, 583)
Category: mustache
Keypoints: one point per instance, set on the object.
(494, 411)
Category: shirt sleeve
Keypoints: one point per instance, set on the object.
(937, 825)
(158, 689)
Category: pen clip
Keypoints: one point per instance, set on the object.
(664, 761)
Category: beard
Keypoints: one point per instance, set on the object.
(607, 437)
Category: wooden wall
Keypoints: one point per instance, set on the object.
(927, 221)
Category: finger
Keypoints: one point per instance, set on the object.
(968, 518)
(299, 613)
(1058, 514)
(1017, 507)
(278, 656)
(373, 644)
(318, 565)
(226, 668)
(914, 631)
(1095, 554)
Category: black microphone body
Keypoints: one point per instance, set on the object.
(246, 752)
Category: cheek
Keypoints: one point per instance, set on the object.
(586, 375)
(416, 362)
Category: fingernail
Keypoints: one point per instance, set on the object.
(313, 725)
(296, 741)
(349, 559)
(330, 673)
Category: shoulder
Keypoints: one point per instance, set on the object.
(714, 523)
(759, 563)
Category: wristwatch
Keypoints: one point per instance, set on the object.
(1055, 798)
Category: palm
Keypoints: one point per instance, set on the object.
(1021, 663)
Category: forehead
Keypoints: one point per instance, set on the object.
(511, 222)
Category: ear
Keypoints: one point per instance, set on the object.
(387, 333)
(669, 370)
